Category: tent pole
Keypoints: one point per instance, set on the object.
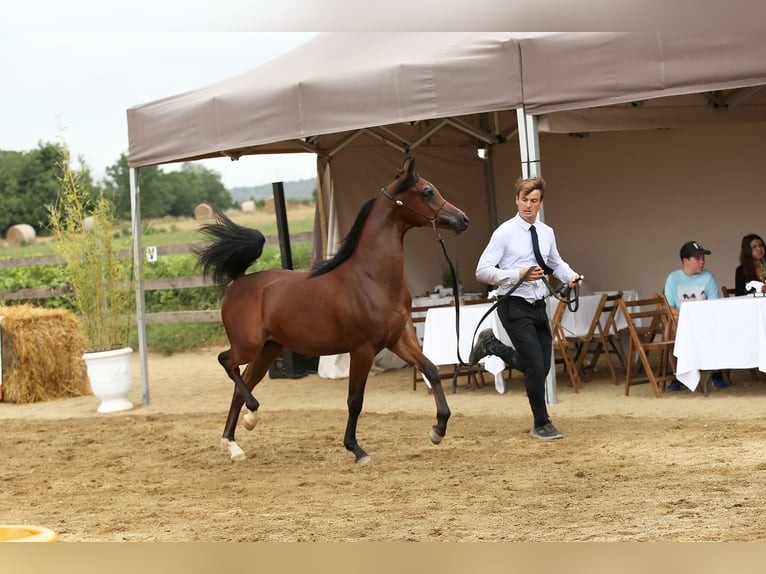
(138, 276)
(529, 145)
(489, 178)
(278, 189)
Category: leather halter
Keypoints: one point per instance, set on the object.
(400, 203)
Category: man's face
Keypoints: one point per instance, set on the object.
(529, 204)
(694, 264)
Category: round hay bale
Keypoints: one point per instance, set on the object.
(248, 206)
(203, 211)
(20, 233)
(268, 206)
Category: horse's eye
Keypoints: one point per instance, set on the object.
(427, 192)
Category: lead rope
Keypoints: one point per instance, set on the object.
(487, 314)
(570, 296)
(566, 294)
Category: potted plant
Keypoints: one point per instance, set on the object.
(83, 225)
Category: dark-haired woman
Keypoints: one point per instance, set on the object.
(752, 263)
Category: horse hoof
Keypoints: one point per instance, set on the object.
(232, 449)
(364, 460)
(250, 419)
(435, 437)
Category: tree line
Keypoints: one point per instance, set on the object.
(30, 181)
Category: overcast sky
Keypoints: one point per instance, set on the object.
(79, 85)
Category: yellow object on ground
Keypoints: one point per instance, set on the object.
(23, 533)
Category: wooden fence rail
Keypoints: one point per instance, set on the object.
(201, 316)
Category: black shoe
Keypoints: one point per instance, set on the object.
(480, 349)
(546, 432)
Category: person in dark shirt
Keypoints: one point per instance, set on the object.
(752, 263)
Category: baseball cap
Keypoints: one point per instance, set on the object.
(692, 249)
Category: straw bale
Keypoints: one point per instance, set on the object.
(41, 354)
(203, 211)
(20, 233)
(248, 206)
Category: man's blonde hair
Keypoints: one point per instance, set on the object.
(525, 186)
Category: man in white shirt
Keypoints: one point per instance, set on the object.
(524, 248)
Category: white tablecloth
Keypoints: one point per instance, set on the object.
(431, 301)
(336, 366)
(439, 338)
(727, 333)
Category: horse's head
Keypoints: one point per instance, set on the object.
(421, 203)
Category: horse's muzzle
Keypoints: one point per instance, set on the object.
(458, 221)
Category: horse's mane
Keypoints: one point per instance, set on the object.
(352, 238)
(348, 245)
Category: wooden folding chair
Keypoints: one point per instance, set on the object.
(585, 344)
(727, 292)
(565, 347)
(605, 339)
(650, 325)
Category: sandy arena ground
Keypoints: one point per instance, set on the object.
(681, 468)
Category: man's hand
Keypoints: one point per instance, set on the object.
(535, 273)
(576, 280)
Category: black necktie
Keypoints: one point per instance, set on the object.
(536, 248)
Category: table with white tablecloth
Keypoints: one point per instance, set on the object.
(440, 337)
(727, 333)
(434, 300)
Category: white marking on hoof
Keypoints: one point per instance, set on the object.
(250, 419)
(435, 438)
(364, 460)
(231, 448)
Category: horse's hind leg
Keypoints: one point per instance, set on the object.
(234, 375)
(254, 373)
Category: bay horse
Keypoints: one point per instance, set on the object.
(355, 302)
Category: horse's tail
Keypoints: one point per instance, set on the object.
(232, 250)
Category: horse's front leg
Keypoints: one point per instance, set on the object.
(359, 370)
(407, 349)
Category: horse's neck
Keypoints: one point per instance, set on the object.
(380, 251)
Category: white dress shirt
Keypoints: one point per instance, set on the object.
(509, 251)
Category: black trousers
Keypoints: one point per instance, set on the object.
(528, 327)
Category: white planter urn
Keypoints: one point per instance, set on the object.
(111, 377)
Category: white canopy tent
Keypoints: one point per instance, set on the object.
(350, 96)
(344, 82)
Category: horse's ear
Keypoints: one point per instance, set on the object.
(409, 164)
